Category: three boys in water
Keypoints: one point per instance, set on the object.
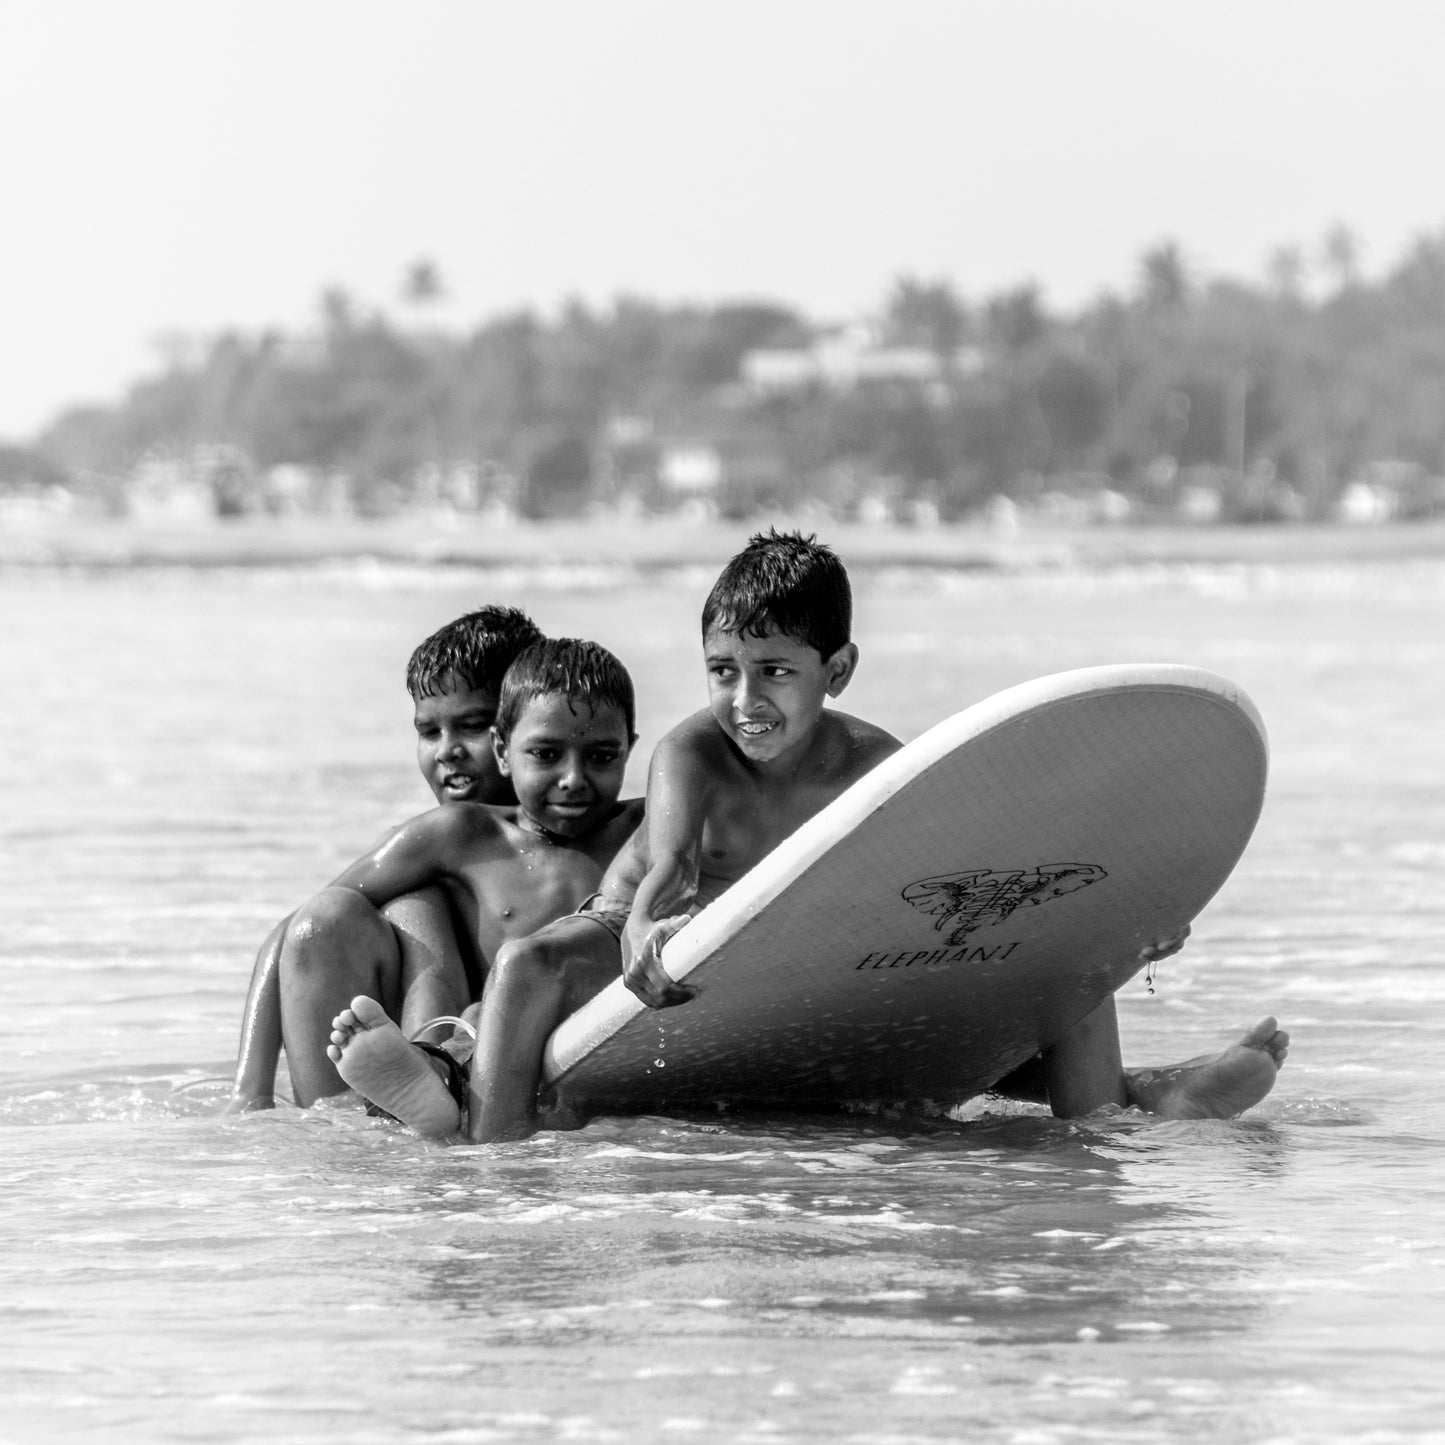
(553, 886)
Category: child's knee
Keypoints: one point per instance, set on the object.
(565, 960)
(427, 907)
(528, 961)
(335, 915)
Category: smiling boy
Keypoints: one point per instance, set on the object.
(729, 784)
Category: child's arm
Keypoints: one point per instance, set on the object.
(419, 853)
(260, 1047)
(678, 789)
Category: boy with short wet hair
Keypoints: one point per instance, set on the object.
(729, 784)
(724, 788)
(732, 781)
(563, 731)
(454, 677)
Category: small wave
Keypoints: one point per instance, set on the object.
(130, 1098)
(1319, 1113)
(1420, 854)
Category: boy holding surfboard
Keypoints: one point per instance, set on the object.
(724, 788)
(729, 784)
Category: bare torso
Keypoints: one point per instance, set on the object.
(505, 878)
(751, 809)
(747, 811)
(526, 879)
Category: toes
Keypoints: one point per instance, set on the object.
(1262, 1035)
(368, 1013)
(333, 1053)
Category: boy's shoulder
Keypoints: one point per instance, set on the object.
(463, 825)
(852, 745)
(697, 742)
(453, 816)
(611, 835)
(695, 727)
(696, 733)
(624, 820)
(458, 814)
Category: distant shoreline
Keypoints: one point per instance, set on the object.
(655, 543)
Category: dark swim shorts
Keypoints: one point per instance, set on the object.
(611, 913)
(456, 1074)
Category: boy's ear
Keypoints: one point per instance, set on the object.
(499, 751)
(841, 667)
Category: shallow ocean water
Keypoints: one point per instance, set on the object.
(186, 754)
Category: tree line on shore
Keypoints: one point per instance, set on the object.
(1272, 397)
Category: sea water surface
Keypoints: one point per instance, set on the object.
(186, 754)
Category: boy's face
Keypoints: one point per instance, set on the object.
(454, 746)
(766, 693)
(566, 762)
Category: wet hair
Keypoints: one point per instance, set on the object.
(582, 672)
(474, 651)
(783, 582)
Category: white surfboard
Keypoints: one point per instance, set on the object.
(952, 913)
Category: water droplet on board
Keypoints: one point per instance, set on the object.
(661, 1063)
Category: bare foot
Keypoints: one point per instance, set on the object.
(1216, 1086)
(373, 1056)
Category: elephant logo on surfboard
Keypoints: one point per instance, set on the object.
(982, 897)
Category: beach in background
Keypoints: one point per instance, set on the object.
(667, 541)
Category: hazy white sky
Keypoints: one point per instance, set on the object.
(192, 164)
